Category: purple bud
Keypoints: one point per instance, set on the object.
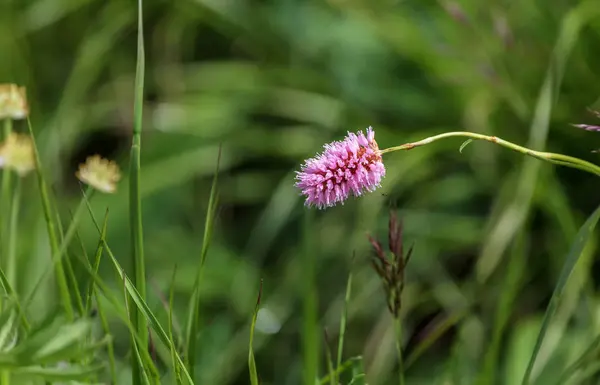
(587, 127)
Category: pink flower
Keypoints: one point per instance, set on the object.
(351, 166)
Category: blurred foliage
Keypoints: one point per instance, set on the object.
(272, 81)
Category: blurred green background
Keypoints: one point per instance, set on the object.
(272, 80)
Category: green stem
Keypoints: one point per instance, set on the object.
(559, 159)
(11, 261)
(50, 226)
(135, 205)
(398, 330)
(310, 335)
(343, 319)
(5, 189)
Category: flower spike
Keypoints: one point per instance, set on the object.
(352, 166)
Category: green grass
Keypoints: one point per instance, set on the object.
(232, 98)
(138, 262)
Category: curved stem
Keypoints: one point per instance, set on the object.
(559, 159)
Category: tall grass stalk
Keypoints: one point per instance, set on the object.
(144, 309)
(310, 335)
(6, 176)
(135, 204)
(251, 360)
(329, 360)
(4, 198)
(194, 313)
(398, 332)
(343, 321)
(11, 260)
(586, 231)
(174, 363)
(93, 292)
(59, 272)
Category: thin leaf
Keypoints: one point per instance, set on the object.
(432, 337)
(174, 363)
(110, 346)
(251, 360)
(69, 267)
(142, 305)
(329, 360)
(358, 373)
(122, 313)
(97, 259)
(343, 320)
(193, 315)
(310, 332)
(465, 144)
(585, 358)
(581, 240)
(139, 362)
(135, 200)
(347, 365)
(54, 245)
(69, 373)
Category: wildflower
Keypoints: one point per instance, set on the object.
(17, 153)
(100, 173)
(13, 102)
(348, 167)
(391, 270)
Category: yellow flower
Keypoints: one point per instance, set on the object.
(101, 174)
(13, 102)
(17, 153)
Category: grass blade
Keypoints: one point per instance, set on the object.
(432, 337)
(329, 360)
(11, 260)
(112, 367)
(97, 259)
(135, 204)
(135, 296)
(135, 349)
(583, 235)
(251, 360)
(341, 369)
(70, 373)
(511, 286)
(122, 313)
(358, 373)
(50, 227)
(310, 334)
(176, 369)
(145, 310)
(192, 324)
(587, 357)
(70, 273)
(5, 191)
(343, 321)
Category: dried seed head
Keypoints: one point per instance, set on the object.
(13, 102)
(99, 173)
(17, 153)
(391, 270)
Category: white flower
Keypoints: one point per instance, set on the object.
(17, 153)
(101, 174)
(13, 102)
